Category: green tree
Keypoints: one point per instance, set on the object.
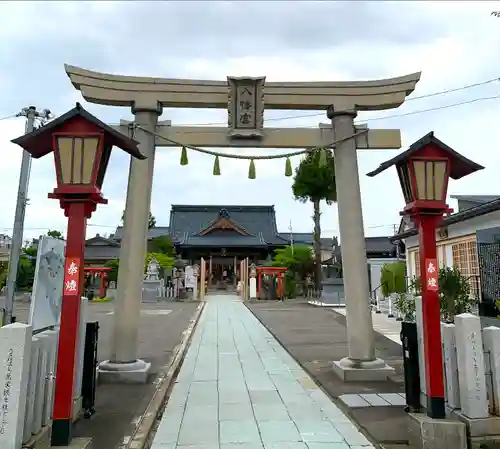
(163, 260)
(113, 273)
(151, 220)
(162, 245)
(4, 270)
(25, 273)
(299, 262)
(314, 181)
(55, 234)
(30, 251)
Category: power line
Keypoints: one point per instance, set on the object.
(42, 228)
(366, 227)
(386, 117)
(8, 117)
(437, 108)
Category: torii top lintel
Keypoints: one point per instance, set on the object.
(144, 92)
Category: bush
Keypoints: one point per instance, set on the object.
(454, 293)
(405, 304)
(414, 286)
(393, 278)
(113, 273)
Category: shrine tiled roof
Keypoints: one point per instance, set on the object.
(224, 241)
(375, 245)
(259, 222)
(154, 232)
(307, 239)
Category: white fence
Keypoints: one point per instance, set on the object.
(27, 370)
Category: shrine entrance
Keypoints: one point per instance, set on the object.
(222, 272)
(245, 99)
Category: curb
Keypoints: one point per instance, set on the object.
(164, 380)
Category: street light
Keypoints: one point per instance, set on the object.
(424, 170)
(82, 145)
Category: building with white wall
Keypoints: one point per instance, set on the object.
(5, 245)
(469, 240)
(379, 251)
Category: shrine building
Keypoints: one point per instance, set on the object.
(224, 235)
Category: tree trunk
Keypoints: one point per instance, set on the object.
(317, 245)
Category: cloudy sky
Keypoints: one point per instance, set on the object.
(452, 43)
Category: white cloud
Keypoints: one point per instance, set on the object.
(452, 43)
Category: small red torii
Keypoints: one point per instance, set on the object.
(278, 272)
(102, 272)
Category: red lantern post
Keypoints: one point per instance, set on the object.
(82, 147)
(424, 170)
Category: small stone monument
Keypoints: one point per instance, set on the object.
(190, 281)
(15, 354)
(471, 369)
(253, 281)
(46, 301)
(196, 273)
(152, 285)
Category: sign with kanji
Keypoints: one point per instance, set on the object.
(246, 107)
(431, 274)
(71, 276)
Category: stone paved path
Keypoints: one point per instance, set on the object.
(239, 389)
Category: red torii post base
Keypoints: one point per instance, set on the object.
(78, 212)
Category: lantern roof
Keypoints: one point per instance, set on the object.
(39, 142)
(460, 166)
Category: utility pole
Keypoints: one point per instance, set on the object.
(291, 236)
(398, 243)
(31, 114)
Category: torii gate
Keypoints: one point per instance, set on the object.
(341, 100)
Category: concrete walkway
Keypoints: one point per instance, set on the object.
(239, 389)
(388, 327)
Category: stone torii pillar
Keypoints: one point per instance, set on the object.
(124, 364)
(361, 364)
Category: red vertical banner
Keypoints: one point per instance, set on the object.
(71, 276)
(431, 275)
